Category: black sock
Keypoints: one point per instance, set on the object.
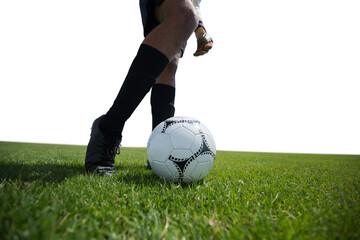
(162, 103)
(146, 67)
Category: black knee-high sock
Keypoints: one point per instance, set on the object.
(146, 67)
(162, 103)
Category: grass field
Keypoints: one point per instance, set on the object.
(45, 194)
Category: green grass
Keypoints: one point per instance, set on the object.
(45, 194)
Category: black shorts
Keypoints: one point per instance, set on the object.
(147, 8)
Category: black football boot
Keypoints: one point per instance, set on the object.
(101, 151)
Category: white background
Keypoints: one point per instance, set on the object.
(283, 76)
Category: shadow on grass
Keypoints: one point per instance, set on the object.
(130, 173)
(42, 172)
(53, 173)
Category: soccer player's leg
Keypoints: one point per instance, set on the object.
(163, 95)
(160, 45)
(146, 67)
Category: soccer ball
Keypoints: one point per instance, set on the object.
(181, 149)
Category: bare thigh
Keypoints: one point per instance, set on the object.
(177, 22)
